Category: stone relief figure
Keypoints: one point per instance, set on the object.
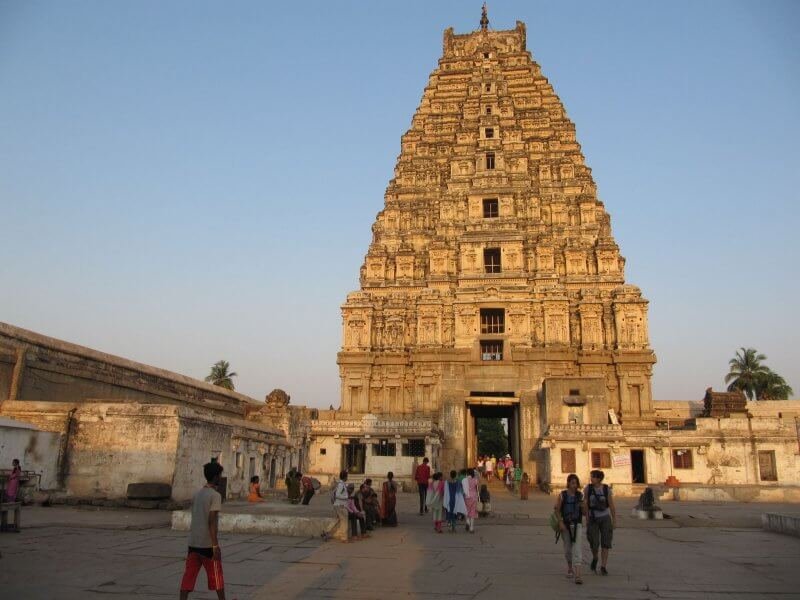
(591, 332)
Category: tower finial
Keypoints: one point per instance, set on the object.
(484, 18)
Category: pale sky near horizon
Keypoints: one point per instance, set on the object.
(188, 181)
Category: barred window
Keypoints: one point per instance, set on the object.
(491, 350)
(493, 320)
(491, 208)
(414, 447)
(384, 448)
(491, 260)
(490, 160)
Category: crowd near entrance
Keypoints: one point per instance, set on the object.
(492, 426)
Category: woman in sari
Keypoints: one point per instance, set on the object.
(389, 501)
(470, 486)
(13, 481)
(255, 490)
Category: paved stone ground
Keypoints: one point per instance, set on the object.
(708, 551)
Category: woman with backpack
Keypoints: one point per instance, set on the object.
(570, 511)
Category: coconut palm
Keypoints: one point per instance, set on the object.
(221, 376)
(745, 371)
(771, 386)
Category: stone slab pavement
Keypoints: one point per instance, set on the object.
(704, 552)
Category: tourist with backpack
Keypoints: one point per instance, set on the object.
(602, 514)
(570, 512)
(340, 499)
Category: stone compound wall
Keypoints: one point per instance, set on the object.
(122, 422)
(36, 450)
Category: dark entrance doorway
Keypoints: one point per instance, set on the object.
(638, 471)
(503, 413)
(273, 472)
(354, 457)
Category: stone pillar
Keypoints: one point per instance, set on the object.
(452, 422)
(529, 433)
(16, 376)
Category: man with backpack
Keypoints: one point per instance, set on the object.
(599, 505)
(339, 499)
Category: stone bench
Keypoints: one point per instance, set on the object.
(785, 524)
(7, 507)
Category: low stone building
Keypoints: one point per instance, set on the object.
(122, 422)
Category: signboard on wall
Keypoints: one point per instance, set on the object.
(621, 460)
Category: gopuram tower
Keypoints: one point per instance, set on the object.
(493, 285)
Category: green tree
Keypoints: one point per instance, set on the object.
(745, 371)
(221, 376)
(492, 437)
(771, 386)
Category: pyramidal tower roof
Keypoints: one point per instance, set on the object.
(492, 205)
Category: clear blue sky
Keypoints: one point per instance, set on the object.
(187, 181)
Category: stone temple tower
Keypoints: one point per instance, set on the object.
(493, 285)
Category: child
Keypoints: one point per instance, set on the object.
(204, 548)
(486, 501)
(435, 501)
(255, 491)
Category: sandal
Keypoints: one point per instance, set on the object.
(578, 580)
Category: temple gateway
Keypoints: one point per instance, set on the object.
(493, 287)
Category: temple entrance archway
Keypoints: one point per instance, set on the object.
(500, 405)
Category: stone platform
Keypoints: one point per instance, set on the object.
(269, 518)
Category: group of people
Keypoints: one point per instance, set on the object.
(593, 509)
(450, 499)
(299, 488)
(359, 511)
(503, 468)
(590, 510)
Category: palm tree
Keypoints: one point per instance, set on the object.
(745, 371)
(220, 376)
(771, 386)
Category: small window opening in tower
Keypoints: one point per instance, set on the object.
(490, 160)
(488, 110)
(493, 320)
(489, 133)
(491, 208)
(491, 349)
(488, 87)
(485, 55)
(491, 260)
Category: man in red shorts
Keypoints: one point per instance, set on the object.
(203, 543)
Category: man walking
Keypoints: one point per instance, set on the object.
(421, 476)
(204, 548)
(599, 505)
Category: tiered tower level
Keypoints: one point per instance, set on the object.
(492, 264)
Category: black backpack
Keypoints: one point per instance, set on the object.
(595, 501)
(575, 517)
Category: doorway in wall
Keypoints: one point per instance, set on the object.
(492, 426)
(354, 457)
(273, 467)
(638, 471)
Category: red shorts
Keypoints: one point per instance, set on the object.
(213, 569)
